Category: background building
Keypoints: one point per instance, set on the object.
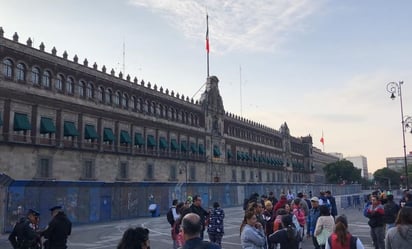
(398, 163)
(361, 163)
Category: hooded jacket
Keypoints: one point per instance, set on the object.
(399, 237)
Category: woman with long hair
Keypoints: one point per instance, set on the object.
(135, 238)
(341, 238)
(288, 236)
(252, 235)
(400, 236)
(325, 225)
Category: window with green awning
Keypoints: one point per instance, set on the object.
(183, 146)
(125, 137)
(246, 155)
(151, 142)
(173, 144)
(238, 155)
(193, 148)
(70, 129)
(90, 132)
(108, 135)
(216, 151)
(138, 139)
(21, 122)
(163, 143)
(47, 125)
(201, 149)
(229, 154)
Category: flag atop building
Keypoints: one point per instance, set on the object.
(207, 34)
(322, 140)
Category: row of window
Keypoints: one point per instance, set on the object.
(87, 90)
(251, 136)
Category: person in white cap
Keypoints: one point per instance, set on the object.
(312, 219)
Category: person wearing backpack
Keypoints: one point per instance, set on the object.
(341, 238)
(390, 212)
(172, 215)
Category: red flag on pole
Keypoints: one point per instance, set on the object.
(322, 140)
(207, 34)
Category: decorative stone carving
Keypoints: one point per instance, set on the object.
(29, 42)
(15, 37)
(41, 46)
(75, 58)
(85, 62)
(54, 51)
(95, 66)
(65, 55)
(104, 69)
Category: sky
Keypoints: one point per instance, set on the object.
(318, 65)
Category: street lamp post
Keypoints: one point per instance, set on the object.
(396, 87)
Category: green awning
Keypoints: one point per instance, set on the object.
(183, 146)
(201, 149)
(70, 129)
(163, 143)
(151, 142)
(125, 137)
(229, 154)
(138, 139)
(216, 151)
(21, 122)
(254, 157)
(1, 119)
(193, 147)
(238, 155)
(47, 125)
(108, 135)
(242, 156)
(173, 144)
(246, 155)
(90, 132)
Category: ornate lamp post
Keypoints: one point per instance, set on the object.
(396, 88)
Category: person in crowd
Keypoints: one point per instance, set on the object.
(402, 201)
(59, 228)
(408, 199)
(302, 203)
(332, 200)
(368, 203)
(290, 196)
(281, 203)
(375, 214)
(277, 223)
(215, 227)
(289, 211)
(268, 217)
(192, 229)
(390, 210)
(174, 210)
(198, 209)
(305, 197)
(300, 216)
(383, 198)
(287, 237)
(323, 200)
(252, 235)
(135, 238)
(259, 210)
(341, 238)
(272, 198)
(263, 199)
(180, 208)
(400, 236)
(312, 219)
(325, 226)
(24, 234)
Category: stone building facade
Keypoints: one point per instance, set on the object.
(62, 119)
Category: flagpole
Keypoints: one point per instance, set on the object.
(207, 42)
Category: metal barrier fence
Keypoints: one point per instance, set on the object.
(91, 202)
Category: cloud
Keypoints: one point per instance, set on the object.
(234, 25)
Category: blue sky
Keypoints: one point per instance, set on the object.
(317, 65)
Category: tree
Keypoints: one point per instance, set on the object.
(342, 172)
(384, 175)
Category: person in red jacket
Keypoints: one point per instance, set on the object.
(281, 203)
(375, 214)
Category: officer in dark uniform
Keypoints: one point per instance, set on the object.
(58, 230)
(24, 234)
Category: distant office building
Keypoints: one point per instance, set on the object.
(361, 163)
(336, 154)
(398, 163)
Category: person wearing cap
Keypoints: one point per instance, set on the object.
(58, 230)
(312, 219)
(24, 234)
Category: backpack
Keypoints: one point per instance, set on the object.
(170, 217)
(352, 243)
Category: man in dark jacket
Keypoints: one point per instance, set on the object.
(58, 230)
(192, 229)
(24, 234)
(196, 208)
(391, 210)
(375, 214)
(333, 207)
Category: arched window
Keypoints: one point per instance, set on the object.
(46, 79)
(100, 93)
(89, 90)
(125, 101)
(7, 68)
(117, 98)
(35, 76)
(134, 103)
(154, 108)
(82, 86)
(59, 82)
(192, 120)
(21, 72)
(161, 110)
(108, 96)
(69, 86)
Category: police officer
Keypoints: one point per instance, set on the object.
(24, 234)
(58, 230)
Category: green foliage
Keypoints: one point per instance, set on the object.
(342, 171)
(382, 176)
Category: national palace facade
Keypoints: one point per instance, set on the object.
(62, 119)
